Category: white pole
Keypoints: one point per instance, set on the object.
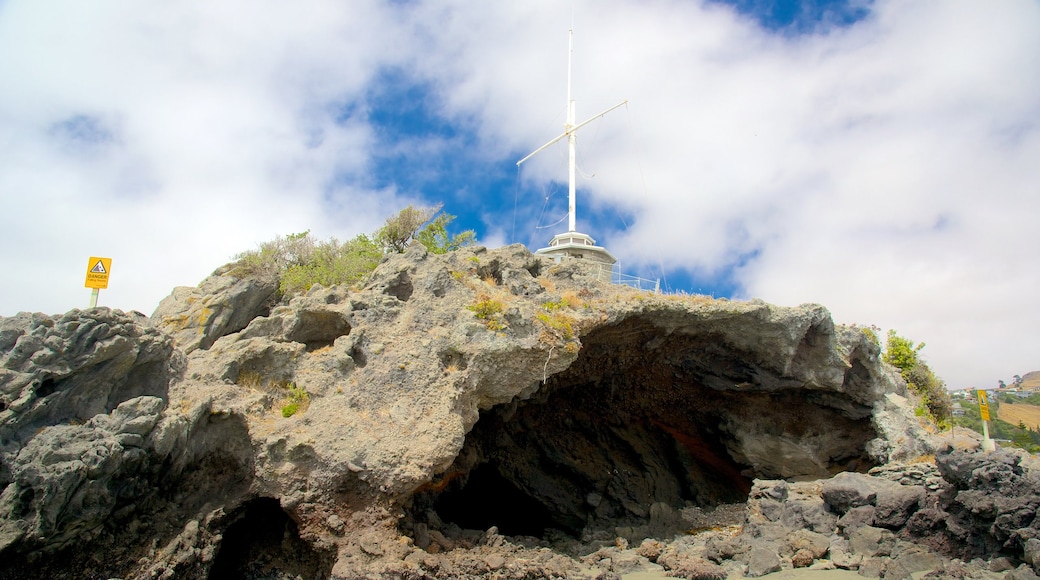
(571, 140)
(570, 130)
(987, 443)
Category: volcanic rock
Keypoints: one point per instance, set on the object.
(480, 413)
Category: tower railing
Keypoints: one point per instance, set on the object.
(636, 282)
(612, 273)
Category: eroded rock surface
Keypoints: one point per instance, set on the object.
(220, 305)
(489, 413)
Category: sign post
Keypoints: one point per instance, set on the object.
(98, 270)
(987, 443)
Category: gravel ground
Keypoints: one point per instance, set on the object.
(783, 575)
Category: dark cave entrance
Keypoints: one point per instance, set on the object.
(633, 434)
(264, 542)
(489, 499)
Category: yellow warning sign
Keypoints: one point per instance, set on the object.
(983, 406)
(98, 270)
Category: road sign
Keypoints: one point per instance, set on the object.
(983, 406)
(98, 270)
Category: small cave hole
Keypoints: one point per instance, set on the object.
(333, 298)
(535, 268)
(46, 387)
(453, 360)
(401, 288)
(491, 271)
(358, 354)
(3, 406)
(318, 329)
(488, 499)
(24, 502)
(264, 542)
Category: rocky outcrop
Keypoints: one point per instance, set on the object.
(90, 451)
(79, 394)
(73, 367)
(220, 305)
(487, 412)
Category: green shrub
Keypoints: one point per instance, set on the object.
(297, 261)
(871, 335)
(903, 354)
(332, 263)
(272, 258)
(401, 228)
(560, 323)
(552, 306)
(297, 397)
(436, 238)
(490, 311)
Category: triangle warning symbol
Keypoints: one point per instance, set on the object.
(98, 268)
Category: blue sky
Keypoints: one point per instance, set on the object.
(875, 157)
(479, 189)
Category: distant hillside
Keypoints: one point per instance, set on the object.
(1031, 380)
(1026, 414)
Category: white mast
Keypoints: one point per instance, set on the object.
(570, 131)
(572, 139)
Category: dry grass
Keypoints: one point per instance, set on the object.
(572, 299)
(250, 380)
(1014, 414)
(1031, 380)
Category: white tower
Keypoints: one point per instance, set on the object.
(573, 243)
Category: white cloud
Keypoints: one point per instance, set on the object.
(887, 170)
(221, 130)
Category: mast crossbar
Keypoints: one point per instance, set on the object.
(569, 131)
(574, 129)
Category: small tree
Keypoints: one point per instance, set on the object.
(901, 353)
(422, 224)
(436, 238)
(401, 228)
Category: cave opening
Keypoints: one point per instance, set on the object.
(264, 542)
(641, 429)
(489, 499)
